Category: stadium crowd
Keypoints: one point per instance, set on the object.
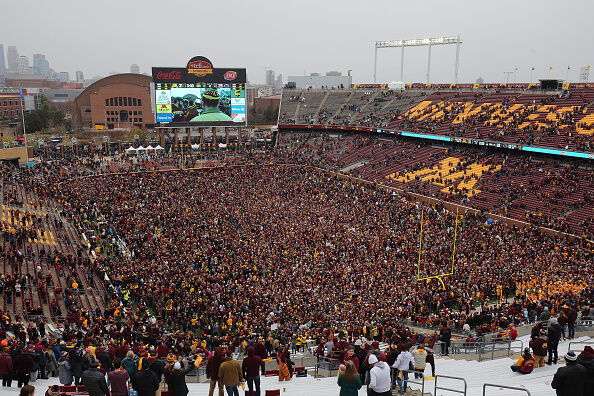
(215, 259)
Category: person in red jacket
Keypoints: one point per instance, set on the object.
(539, 346)
(260, 350)
(212, 371)
(350, 355)
(251, 366)
(6, 368)
(525, 363)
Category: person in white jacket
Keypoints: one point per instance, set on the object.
(379, 377)
(402, 363)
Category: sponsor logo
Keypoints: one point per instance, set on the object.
(238, 117)
(237, 101)
(164, 117)
(230, 76)
(163, 97)
(200, 68)
(164, 108)
(172, 75)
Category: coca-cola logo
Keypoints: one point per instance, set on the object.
(172, 75)
(230, 75)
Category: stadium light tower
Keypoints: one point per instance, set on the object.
(419, 43)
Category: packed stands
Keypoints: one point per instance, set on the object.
(548, 193)
(561, 120)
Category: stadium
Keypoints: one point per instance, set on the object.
(379, 239)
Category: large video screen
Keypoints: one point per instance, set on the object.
(199, 95)
(200, 104)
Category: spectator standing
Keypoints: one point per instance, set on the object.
(539, 346)
(94, 380)
(349, 380)
(251, 366)
(118, 379)
(212, 371)
(231, 376)
(445, 336)
(176, 381)
(420, 357)
(554, 333)
(403, 362)
(65, 375)
(129, 363)
(6, 368)
(586, 359)
(23, 364)
(145, 381)
(570, 380)
(379, 377)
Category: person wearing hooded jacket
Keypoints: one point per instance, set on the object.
(65, 374)
(176, 381)
(420, 356)
(586, 359)
(212, 371)
(251, 371)
(379, 377)
(403, 363)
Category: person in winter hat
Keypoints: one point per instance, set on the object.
(379, 377)
(570, 380)
(586, 359)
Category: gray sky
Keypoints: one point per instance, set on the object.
(316, 36)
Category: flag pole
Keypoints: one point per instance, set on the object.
(24, 128)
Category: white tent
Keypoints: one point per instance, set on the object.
(159, 148)
(131, 150)
(150, 148)
(396, 85)
(195, 146)
(141, 148)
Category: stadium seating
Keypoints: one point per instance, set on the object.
(562, 120)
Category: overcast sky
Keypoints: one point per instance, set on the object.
(305, 35)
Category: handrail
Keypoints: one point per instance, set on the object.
(506, 387)
(449, 389)
(579, 342)
(422, 380)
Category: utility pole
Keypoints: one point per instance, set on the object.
(509, 73)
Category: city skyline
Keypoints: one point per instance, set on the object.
(337, 36)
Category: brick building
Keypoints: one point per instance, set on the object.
(10, 103)
(118, 101)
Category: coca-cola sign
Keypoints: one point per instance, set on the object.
(230, 76)
(171, 75)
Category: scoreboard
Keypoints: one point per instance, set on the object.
(199, 95)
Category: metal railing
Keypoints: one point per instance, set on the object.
(497, 346)
(411, 379)
(449, 389)
(506, 387)
(579, 342)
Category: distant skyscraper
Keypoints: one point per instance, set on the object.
(80, 78)
(279, 82)
(270, 78)
(23, 65)
(41, 65)
(2, 64)
(63, 77)
(12, 58)
(134, 69)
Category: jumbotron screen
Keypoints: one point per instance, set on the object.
(199, 95)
